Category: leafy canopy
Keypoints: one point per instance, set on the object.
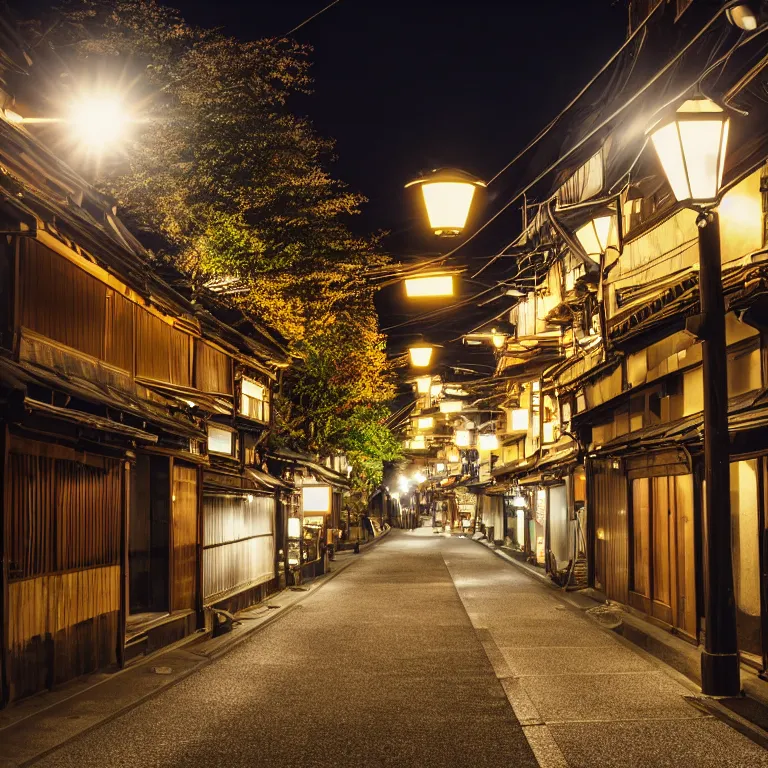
(222, 178)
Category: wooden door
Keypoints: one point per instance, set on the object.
(184, 535)
(663, 550)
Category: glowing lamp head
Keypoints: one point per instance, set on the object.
(429, 286)
(420, 355)
(450, 406)
(691, 147)
(426, 422)
(448, 195)
(498, 339)
(488, 442)
(463, 438)
(419, 477)
(423, 383)
(743, 16)
(597, 235)
(98, 121)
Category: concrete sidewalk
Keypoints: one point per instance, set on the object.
(586, 696)
(36, 726)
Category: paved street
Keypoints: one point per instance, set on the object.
(428, 651)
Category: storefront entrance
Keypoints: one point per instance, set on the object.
(663, 547)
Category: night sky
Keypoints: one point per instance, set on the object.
(405, 86)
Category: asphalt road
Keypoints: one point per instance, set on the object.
(428, 651)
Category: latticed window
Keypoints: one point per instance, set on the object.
(254, 401)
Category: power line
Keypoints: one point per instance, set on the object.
(314, 16)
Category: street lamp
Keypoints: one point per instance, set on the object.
(691, 146)
(429, 286)
(448, 195)
(597, 235)
(421, 355)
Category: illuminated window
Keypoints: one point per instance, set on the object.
(254, 400)
(221, 440)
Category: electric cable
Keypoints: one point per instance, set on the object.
(314, 16)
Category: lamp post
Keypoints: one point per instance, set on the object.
(691, 146)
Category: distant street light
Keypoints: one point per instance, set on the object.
(429, 286)
(597, 235)
(420, 355)
(691, 146)
(448, 195)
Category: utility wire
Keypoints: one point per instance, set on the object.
(679, 94)
(544, 131)
(314, 16)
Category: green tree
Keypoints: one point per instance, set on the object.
(235, 185)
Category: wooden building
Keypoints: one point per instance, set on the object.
(599, 466)
(134, 410)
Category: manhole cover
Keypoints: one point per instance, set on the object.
(161, 670)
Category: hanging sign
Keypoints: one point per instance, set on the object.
(541, 507)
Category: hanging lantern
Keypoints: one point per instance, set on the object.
(691, 146)
(423, 383)
(463, 439)
(448, 197)
(426, 422)
(429, 286)
(421, 355)
(488, 442)
(597, 235)
(498, 339)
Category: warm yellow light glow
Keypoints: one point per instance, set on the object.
(463, 438)
(426, 422)
(98, 120)
(450, 406)
(429, 286)
(316, 498)
(440, 467)
(454, 458)
(423, 384)
(402, 484)
(597, 235)
(448, 195)
(498, 339)
(691, 148)
(488, 442)
(420, 356)
(419, 477)
(518, 502)
(294, 527)
(436, 389)
(519, 419)
(448, 204)
(13, 117)
(418, 443)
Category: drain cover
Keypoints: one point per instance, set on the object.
(161, 670)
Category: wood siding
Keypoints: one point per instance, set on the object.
(184, 537)
(60, 301)
(239, 543)
(213, 369)
(63, 544)
(163, 352)
(608, 496)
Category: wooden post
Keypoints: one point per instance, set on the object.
(124, 563)
(5, 511)
(200, 596)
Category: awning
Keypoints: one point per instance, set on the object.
(293, 457)
(28, 373)
(266, 480)
(98, 423)
(214, 404)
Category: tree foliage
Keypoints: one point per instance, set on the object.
(235, 184)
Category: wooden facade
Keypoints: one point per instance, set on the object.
(601, 375)
(112, 384)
